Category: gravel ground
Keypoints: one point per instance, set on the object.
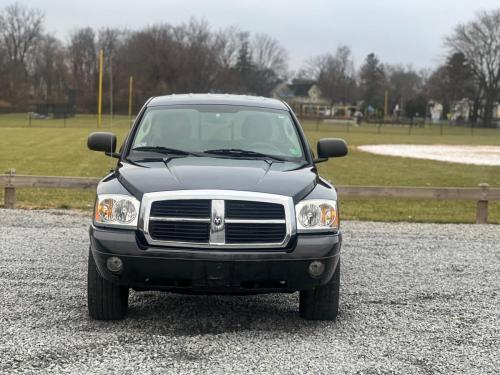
(416, 298)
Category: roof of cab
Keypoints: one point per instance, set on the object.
(221, 99)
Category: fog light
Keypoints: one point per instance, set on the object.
(316, 269)
(114, 264)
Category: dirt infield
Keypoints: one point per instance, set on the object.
(477, 155)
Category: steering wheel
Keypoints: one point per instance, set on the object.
(265, 146)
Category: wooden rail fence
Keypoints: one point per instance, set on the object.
(481, 194)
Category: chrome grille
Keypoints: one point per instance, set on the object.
(217, 219)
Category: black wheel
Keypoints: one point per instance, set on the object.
(106, 301)
(322, 303)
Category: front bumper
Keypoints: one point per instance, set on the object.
(214, 271)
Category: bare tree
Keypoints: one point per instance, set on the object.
(4, 75)
(109, 40)
(82, 56)
(227, 44)
(20, 28)
(404, 84)
(197, 47)
(49, 69)
(152, 56)
(267, 53)
(479, 42)
(335, 75)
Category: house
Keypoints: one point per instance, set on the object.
(496, 111)
(460, 110)
(303, 95)
(435, 110)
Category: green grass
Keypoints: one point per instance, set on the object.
(21, 120)
(418, 211)
(47, 148)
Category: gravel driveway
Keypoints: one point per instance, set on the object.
(416, 298)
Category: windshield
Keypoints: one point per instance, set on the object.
(219, 129)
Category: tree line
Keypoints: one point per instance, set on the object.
(37, 67)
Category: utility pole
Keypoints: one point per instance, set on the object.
(99, 98)
(386, 103)
(130, 88)
(111, 98)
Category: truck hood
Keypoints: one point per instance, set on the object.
(195, 173)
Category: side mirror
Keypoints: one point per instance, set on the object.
(331, 148)
(104, 142)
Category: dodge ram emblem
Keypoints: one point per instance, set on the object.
(217, 220)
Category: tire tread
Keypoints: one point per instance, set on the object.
(105, 300)
(321, 303)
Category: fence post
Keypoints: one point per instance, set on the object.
(482, 206)
(10, 190)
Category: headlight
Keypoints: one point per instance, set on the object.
(317, 215)
(115, 210)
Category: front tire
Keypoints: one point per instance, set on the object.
(322, 303)
(105, 300)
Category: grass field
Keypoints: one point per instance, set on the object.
(50, 148)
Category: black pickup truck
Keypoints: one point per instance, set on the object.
(215, 194)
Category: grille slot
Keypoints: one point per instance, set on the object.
(254, 210)
(195, 208)
(179, 231)
(255, 233)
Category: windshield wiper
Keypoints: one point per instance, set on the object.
(172, 153)
(242, 153)
(163, 150)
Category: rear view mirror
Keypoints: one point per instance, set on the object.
(104, 142)
(331, 148)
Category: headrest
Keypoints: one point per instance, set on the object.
(257, 127)
(173, 125)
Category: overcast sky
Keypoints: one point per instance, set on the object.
(398, 31)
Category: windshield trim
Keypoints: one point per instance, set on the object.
(198, 104)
